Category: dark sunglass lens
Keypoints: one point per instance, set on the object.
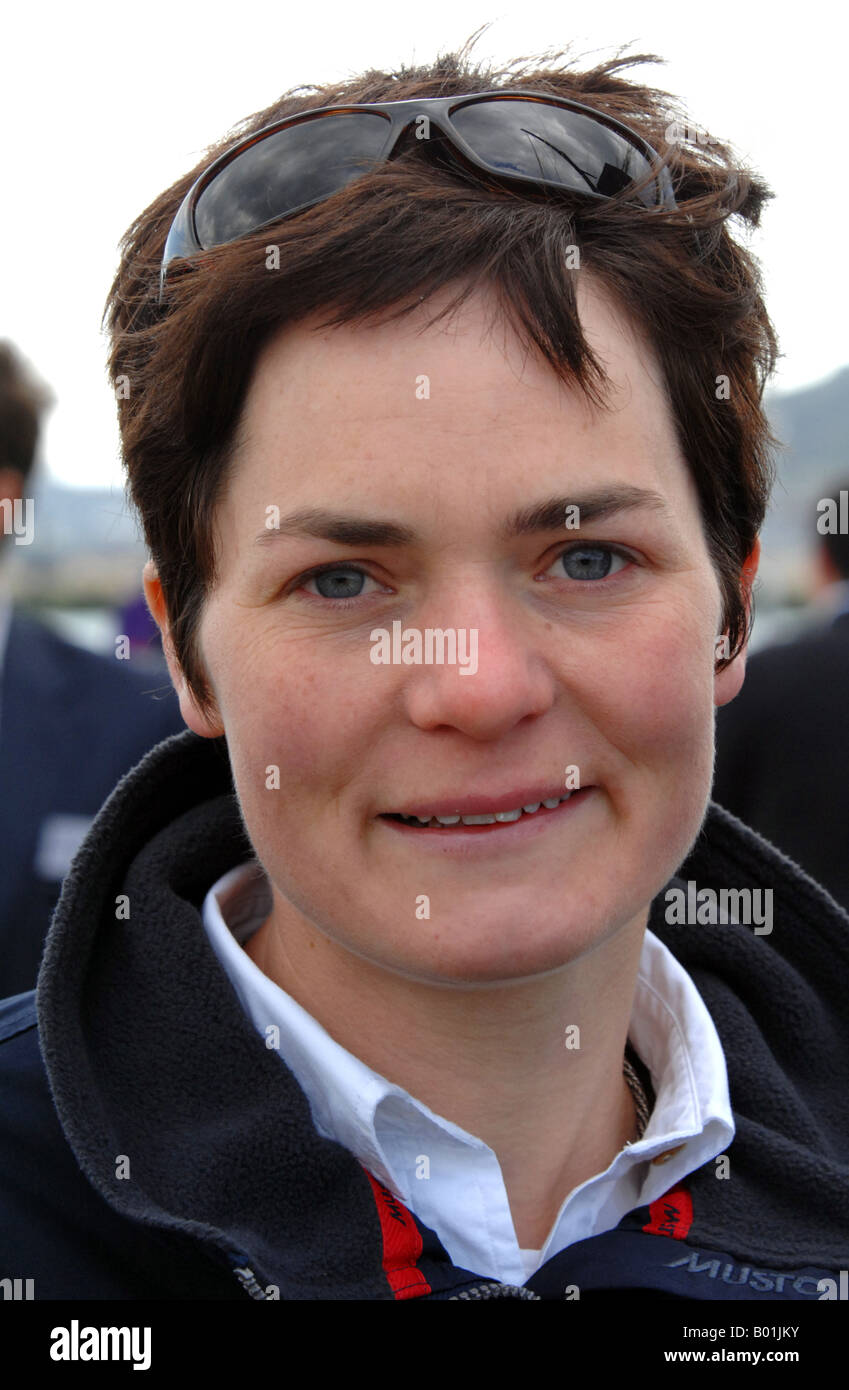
(537, 141)
(291, 169)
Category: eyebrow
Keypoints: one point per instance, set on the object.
(549, 515)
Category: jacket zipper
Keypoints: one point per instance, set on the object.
(495, 1290)
(249, 1282)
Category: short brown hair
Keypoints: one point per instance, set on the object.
(397, 235)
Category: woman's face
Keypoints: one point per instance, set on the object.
(429, 474)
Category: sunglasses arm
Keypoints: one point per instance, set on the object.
(181, 239)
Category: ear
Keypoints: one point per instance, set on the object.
(207, 726)
(728, 682)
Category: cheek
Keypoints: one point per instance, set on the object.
(649, 704)
(288, 704)
(673, 690)
(651, 696)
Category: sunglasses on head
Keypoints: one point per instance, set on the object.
(521, 137)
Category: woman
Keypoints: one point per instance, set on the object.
(411, 969)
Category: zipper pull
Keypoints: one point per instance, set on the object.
(252, 1286)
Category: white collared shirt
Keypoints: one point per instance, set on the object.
(459, 1191)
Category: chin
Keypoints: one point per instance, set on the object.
(508, 948)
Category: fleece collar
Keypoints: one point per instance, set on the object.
(150, 1056)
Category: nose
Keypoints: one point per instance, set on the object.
(512, 681)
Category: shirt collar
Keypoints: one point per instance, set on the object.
(670, 1028)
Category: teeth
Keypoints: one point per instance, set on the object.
(501, 817)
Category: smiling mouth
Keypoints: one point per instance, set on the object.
(494, 818)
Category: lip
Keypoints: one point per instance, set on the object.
(479, 805)
(489, 840)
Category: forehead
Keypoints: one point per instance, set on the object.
(460, 405)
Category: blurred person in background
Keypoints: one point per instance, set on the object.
(71, 722)
(782, 760)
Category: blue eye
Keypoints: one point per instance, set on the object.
(591, 562)
(339, 582)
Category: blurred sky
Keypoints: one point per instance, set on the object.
(104, 105)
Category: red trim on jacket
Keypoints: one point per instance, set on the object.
(402, 1244)
(671, 1215)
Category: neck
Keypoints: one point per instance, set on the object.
(500, 1061)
